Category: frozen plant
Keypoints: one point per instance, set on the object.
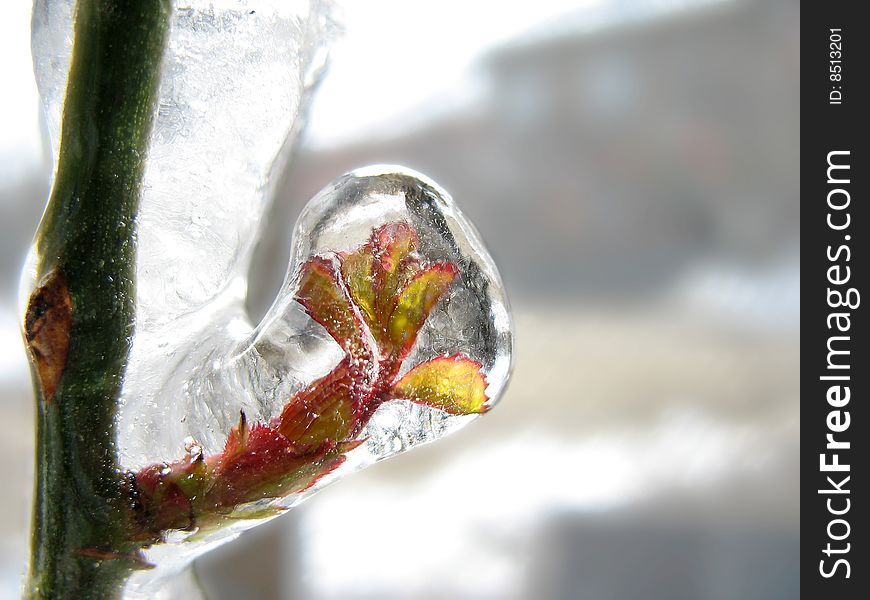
(373, 301)
(167, 422)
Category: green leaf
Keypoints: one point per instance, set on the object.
(453, 384)
(415, 302)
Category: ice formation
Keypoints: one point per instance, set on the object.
(235, 80)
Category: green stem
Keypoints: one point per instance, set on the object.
(86, 253)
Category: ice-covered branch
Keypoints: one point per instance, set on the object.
(80, 314)
(169, 421)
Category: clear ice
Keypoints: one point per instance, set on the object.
(235, 81)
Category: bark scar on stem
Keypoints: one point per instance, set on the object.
(47, 326)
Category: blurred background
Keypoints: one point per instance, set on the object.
(633, 167)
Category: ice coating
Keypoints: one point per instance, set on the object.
(289, 350)
(233, 85)
(256, 370)
(473, 318)
(234, 82)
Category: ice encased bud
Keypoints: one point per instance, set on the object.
(258, 371)
(472, 319)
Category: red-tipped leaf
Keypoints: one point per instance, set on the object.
(453, 384)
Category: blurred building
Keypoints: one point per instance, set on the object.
(605, 160)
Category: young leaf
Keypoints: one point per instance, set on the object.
(357, 268)
(392, 244)
(268, 462)
(326, 303)
(453, 384)
(415, 302)
(325, 411)
(377, 270)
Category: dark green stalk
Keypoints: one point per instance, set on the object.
(80, 318)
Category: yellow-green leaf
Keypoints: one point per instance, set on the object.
(453, 384)
(415, 302)
(358, 271)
